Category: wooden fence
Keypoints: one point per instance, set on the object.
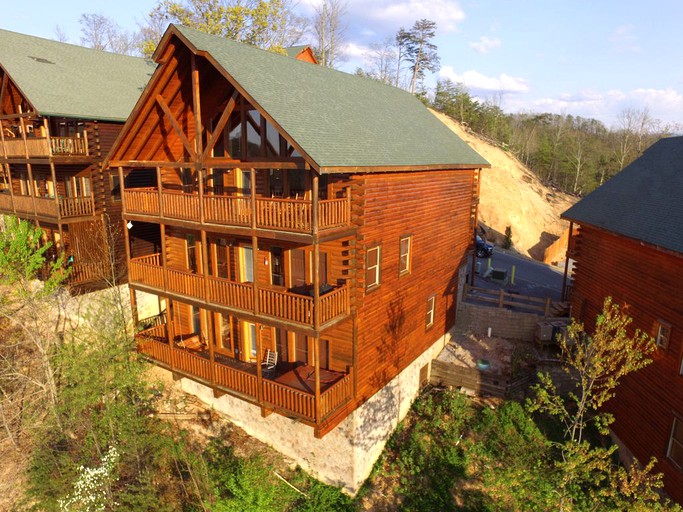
(502, 299)
(481, 382)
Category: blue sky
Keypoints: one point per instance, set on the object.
(589, 58)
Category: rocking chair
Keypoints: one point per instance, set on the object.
(269, 361)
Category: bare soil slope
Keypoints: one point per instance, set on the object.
(511, 195)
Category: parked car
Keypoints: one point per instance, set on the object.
(483, 249)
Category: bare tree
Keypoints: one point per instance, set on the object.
(60, 35)
(329, 30)
(381, 60)
(401, 40)
(102, 33)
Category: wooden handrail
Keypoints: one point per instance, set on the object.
(290, 399)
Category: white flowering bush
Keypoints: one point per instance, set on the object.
(92, 489)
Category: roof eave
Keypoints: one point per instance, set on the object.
(343, 169)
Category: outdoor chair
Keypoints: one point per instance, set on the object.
(269, 361)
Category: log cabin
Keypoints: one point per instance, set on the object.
(630, 246)
(61, 108)
(304, 232)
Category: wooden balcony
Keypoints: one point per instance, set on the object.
(281, 305)
(288, 391)
(66, 207)
(44, 147)
(270, 213)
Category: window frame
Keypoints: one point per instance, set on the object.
(115, 182)
(662, 339)
(431, 312)
(378, 272)
(408, 255)
(678, 442)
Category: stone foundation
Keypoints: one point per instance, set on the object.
(345, 456)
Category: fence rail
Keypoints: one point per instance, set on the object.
(502, 299)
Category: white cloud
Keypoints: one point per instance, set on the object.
(624, 39)
(485, 44)
(446, 13)
(354, 50)
(663, 104)
(481, 83)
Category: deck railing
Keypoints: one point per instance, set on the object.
(142, 200)
(290, 306)
(228, 210)
(293, 307)
(271, 213)
(336, 395)
(39, 146)
(180, 206)
(289, 399)
(76, 206)
(282, 397)
(77, 146)
(5, 202)
(47, 207)
(86, 272)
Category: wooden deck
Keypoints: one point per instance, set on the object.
(44, 147)
(278, 214)
(290, 392)
(64, 208)
(148, 271)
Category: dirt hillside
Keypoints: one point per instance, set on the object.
(511, 195)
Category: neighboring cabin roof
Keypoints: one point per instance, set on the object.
(644, 201)
(293, 51)
(338, 119)
(61, 79)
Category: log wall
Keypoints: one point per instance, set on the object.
(648, 283)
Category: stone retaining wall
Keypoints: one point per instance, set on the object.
(503, 322)
(346, 455)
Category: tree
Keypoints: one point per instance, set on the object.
(401, 41)
(268, 24)
(329, 32)
(380, 62)
(102, 33)
(420, 51)
(586, 477)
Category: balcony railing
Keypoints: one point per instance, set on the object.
(42, 147)
(293, 307)
(271, 213)
(47, 207)
(241, 378)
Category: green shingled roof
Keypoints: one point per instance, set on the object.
(61, 79)
(644, 201)
(339, 120)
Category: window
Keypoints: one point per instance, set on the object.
(431, 304)
(404, 254)
(373, 259)
(115, 185)
(191, 243)
(246, 264)
(277, 274)
(675, 451)
(663, 333)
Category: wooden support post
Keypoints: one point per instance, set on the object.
(49, 142)
(11, 187)
(547, 307)
(259, 369)
(205, 264)
(210, 341)
(126, 241)
(122, 189)
(200, 179)
(164, 270)
(254, 242)
(501, 298)
(53, 175)
(566, 262)
(159, 192)
(316, 258)
(196, 107)
(316, 360)
(170, 330)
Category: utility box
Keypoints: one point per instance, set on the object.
(544, 331)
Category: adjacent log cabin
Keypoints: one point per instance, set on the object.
(630, 247)
(61, 108)
(277, 207)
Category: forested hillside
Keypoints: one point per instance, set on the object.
(571, 153)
